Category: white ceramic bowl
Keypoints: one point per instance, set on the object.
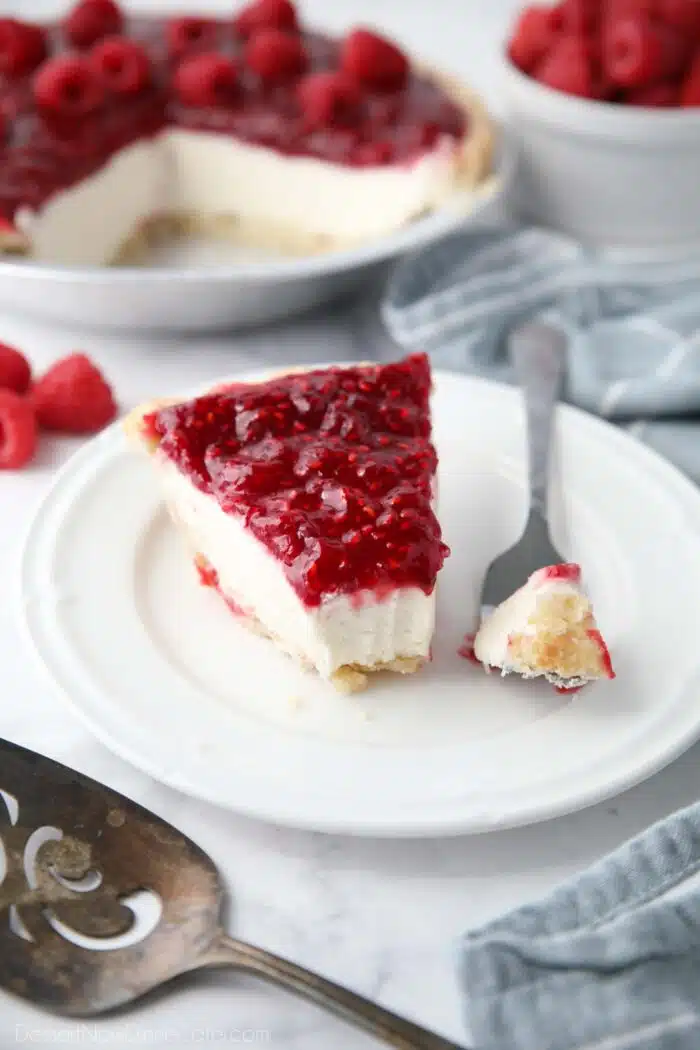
(608, 174)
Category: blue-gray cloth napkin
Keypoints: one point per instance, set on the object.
(634, 325)
(609, 961)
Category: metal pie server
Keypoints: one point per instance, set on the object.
(102, 902)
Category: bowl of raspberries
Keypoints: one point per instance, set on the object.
(603, 102)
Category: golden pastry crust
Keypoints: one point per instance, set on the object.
(476, 161)
(564, 643)
(132, 424)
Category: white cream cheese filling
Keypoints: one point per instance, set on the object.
(513, 616)
(208, 176)
(342, 631)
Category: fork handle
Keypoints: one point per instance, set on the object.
(390, 1028)
(538, 353)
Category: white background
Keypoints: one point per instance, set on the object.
(383, 917)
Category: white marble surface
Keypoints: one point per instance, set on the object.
(383, 917)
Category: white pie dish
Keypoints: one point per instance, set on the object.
(199, 285)
(202, 296)
(217, 713)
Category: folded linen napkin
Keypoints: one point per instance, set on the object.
(633, 324)
(609, 961)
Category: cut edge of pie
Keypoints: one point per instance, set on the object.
(436, 144)
(392, 612)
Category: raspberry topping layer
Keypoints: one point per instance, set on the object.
(73, 94)
(332, 470)
(569, 571)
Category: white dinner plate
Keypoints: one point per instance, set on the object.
(165, 676)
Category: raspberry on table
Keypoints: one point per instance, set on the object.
(18, 431)
(690, 89)
(15, 371)
(660, 96)
(579, 16)
(73, 397)
(682, 14)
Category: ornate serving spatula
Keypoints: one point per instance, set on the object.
(101, 902)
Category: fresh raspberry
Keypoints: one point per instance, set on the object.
(638, 52)
(22, 47)
(123, 65)
(92, 19)
(533, 36)
(611, 10)
(266, 14)
(690, 89)
(67, 86)
(567, 68)
(17, 430)
(184, 35)
(330, 100)
(73, 397)
(658, 96)
(683, 15)
(603, 88)
(374, 61)
(15, 373)
(579, 16)
(275, 55)
(207, 80)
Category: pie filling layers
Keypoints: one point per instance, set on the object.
(546, 628)
(308, 502)
(253, 127)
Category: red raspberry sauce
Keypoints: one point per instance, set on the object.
(41, 153)
(332, 470)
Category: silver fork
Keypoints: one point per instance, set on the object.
(538, 355)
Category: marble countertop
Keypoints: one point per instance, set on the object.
(382, 917)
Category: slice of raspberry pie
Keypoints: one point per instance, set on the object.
(308, 502)
(546, 628)
(250, 126)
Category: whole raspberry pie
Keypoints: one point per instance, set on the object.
(308, 502)
(251, 126)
